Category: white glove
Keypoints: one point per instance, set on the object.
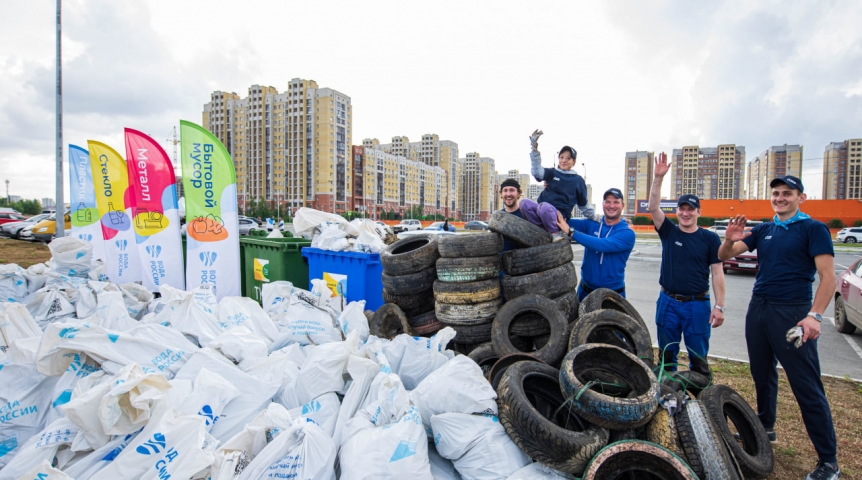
(794, 335)
(534, 139)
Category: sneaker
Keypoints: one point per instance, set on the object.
(825, 471)
(770, 434)
(559, 237)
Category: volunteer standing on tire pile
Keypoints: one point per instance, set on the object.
(607, 243)
(564, 188)
(688, 255)
(790, 249)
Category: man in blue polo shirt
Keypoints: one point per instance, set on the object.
(688, 255)
(789, 250)
(607, 246)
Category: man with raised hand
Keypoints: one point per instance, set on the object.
(607, 243)
(790, 250)
(688, 255)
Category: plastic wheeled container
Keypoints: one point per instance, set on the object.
(357, 275)
(271, 259)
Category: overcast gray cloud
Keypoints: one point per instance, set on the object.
(607, 78)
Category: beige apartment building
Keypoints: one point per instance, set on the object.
(774, 161)
(289, 149)
(478, 193)
(534, 191)
(711, 173)
(842, 170)
(638, 178)
(387, 183)
(524, 179)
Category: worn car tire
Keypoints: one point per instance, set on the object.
(412, 303)
(518, 230)
(410, 255)
(661, 430)
(568, 304)
(427, 329)
(605, 298)
(471, 334)
(475, 314)
(468, 269)
(555, 347)
(466, 293)
(613, 328)
(529, 325)
(704, 449)
(474, 245)
(523, 261)
(422, 319)
(549, 434)
(841, 323)
(686, 381)
(754, 455)
(551, 283)
(409, 284)
(485, 356)
(634, 406)
(388, 321)
(626, 458)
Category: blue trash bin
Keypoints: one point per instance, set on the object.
(355, 275)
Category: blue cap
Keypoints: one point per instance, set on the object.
(689, 199)
(789, 180)
(613, 191)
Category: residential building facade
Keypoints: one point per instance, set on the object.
(638, 178)
(478, 193)
(842, 170)
(773, 162)
(711, 173)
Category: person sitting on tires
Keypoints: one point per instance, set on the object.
(688, 255)
(541, 214)
(564, 188)
(790, 249)
(607, 246)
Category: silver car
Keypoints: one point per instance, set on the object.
(247, 224)
(14, 228)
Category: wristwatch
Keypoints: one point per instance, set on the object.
(571, 232)
(720, 308)
(816, 316)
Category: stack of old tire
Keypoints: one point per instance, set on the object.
(467, 290)
(408, 276)
(603, 413)
(539, 288)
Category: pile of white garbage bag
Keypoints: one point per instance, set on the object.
(104, 381)
(328, 231)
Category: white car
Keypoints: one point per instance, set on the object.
(720, 230)
(849, 235)
(408, 225)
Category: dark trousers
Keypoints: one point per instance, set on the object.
(676, 320)
(766, 325)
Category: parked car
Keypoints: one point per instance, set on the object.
(247, 225)
(9, 210)
(26, 233)
(848, 299)
(439, 226)
(10, 217)
(849, 235)
(719, 230)
(476, 225)
(407, 226)
(746, 261)
(12, 229)
(384, 226)
(44, 230)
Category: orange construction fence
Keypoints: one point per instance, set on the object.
(847, 211)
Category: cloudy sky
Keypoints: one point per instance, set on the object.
(605, 77)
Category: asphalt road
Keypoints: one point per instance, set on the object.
(840, 354)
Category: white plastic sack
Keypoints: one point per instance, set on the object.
(414, 358)
(99, 458)
(302, 451)
(155, 347)
(307, 219)
(209, 397)
(323, 411)
(71, 256)
(127, 406)
(174, 446)
(353, 318)
(236, 453)
(279, 368)
(306, 324)
(371, 235)
(275, 297)
(398, 451)
(387, 402)
(239, 345)
(136, 298)
(470, 440)
(50, 305)
(40, 447)
(323, 370)
(36, 276)
(16, 323)
(13, 283)
(86, 301)
(275, 234)
(83, 409)
(25, 397)
(362, 372)
(331, 238)
(458, 386)
(192, 313)
(243, 311)
(81, 366)
(111, 309)
(441, 468)
(44, 471)
(537, 471)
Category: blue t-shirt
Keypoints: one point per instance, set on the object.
(685, 258)
(508, 244)
(786, 258)
(564, 191)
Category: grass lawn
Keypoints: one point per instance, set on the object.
(794, 455)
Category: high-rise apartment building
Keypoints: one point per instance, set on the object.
(289, 148)
(384, 182)
(711, 173)
(477, 194)
(522, 178)
(638, 178)
(842, 170)
(534, 191)
(773, 162)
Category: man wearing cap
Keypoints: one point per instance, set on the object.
(688, 255)
(607, 245)
(540, 214)
(790, 250)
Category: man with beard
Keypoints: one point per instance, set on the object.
(607, 245)
(688, 255)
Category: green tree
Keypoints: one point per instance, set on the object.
(641, 220)
(835, 223)
(27, 207)
(857, 223)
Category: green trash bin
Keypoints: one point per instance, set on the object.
(271, 259)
